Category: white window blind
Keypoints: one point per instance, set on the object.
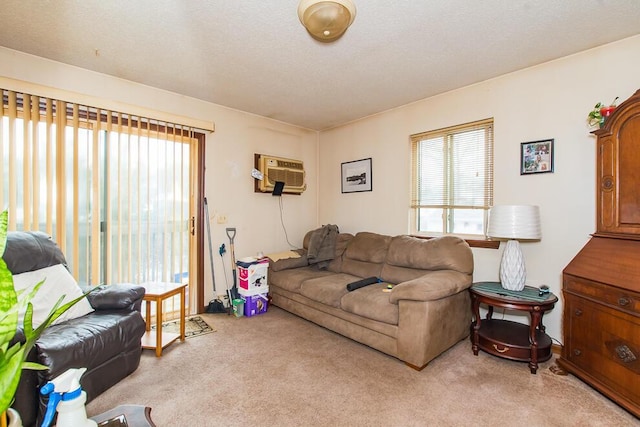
(452, 180)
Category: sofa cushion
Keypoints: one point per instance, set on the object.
(327, 289)
(365, 254)
(58, 283)
(293, 278)
(408, 257)
(341, 244)
(342, 241)
(371, 302)
(31, 250)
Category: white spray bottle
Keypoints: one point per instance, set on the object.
(67, 397)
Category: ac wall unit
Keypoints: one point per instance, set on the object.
(289, 171)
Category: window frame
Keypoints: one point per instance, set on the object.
(416, 200)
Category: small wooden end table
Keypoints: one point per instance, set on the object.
(158, 292)
(507, 339)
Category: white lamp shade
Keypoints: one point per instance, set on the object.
(521, 222)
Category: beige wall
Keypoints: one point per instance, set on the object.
(547, 101)
(229, 157)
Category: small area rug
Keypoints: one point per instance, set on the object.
(193, 327)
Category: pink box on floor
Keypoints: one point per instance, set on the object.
(252, 274)
(255, 304)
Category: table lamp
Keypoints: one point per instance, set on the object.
(514, 222)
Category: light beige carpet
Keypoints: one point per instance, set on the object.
(276, 369)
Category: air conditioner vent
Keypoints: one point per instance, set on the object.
(291, 172)
(288, 176)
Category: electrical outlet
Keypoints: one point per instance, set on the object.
(222, 219)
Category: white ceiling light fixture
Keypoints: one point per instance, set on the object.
(326, 21)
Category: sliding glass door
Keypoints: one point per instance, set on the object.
(117, 192)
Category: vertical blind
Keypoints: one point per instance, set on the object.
(452, 168)
(116, 191)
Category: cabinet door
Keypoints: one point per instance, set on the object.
(619, 171)
(606, 344)
(629, 175)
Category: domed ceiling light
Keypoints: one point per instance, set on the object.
(326, 21)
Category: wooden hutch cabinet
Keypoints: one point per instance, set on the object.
(601, 285)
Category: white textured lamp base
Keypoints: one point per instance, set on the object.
(512, 270)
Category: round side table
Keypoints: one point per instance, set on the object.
(507, 339)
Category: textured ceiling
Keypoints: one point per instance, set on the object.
(255, 56)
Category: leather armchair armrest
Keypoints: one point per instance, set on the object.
(120, 296)
(432, 286)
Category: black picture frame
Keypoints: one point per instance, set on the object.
(357, 176)
(536, 157)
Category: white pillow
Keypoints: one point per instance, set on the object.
(58, 282)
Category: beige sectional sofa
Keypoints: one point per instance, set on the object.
(426, 312)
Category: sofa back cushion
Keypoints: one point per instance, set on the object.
(30, 251)
(58, 283)
(409, 257)
(365, 254)
(342, 241)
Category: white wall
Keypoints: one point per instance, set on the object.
(547, 101)
(229, 158)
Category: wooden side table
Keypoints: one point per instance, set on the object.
(507, 339)
(158, 292)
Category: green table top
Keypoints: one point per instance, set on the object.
(529, 293)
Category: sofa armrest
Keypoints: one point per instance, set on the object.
(432, 286)
(118, 296)
(288, 263)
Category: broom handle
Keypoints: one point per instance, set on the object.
(231, 234)
(213, 276)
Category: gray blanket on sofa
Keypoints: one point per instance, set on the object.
(322, 245)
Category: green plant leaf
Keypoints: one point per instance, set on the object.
(8, 296)
(10, 370)
(34, 366)
(12, 303)
(594, 116)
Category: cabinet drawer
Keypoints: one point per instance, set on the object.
(604, 343)
(625, 300)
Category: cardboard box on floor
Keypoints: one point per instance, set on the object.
(255, 304)
(252, 274)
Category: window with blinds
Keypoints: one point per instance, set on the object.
(452, 179)
(116, 191)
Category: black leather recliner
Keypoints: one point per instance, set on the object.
(107, 341)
